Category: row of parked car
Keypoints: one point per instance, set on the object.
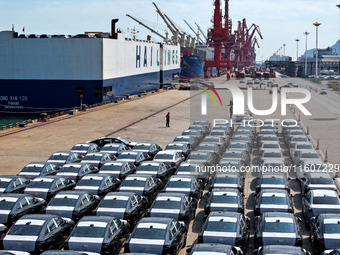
(133, 201)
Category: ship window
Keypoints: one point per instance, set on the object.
(98, 92)
(80, 90)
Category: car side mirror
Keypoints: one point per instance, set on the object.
(299, 219)
(188, 249)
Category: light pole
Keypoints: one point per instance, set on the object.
(316, 24)
(297, 48)
(306, 34)
(284, 52)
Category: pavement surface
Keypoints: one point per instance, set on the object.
(143, 120)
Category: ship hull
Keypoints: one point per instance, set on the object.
(57, 74)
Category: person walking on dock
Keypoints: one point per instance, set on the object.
(231, 111)
(167, 118)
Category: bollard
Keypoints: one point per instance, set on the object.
(307, 130)
(326, 157)
(317, 145)
(299, 118)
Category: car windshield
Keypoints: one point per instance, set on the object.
(80, 148)
(163, 156)
(113, 203)
(6, 205)
(69, 169)
(332, 228)
(225, 199)
(174, 147)
(179, 184)
(280, 227)
(326, 200)
(206, 147)
(309, 155)
(229, 180)
(133, 183)
(40, 185)
(109, 148)
(232, 155)
(127, 156)
(89, 182)
(148, 168)
(164, 204)
(211, 140)
(58, 157)
(141, 147)
(92, 157)
(31, 169)
(221, 226)
(272, 181)
(304, 146)
(189, 168)
(238, 146)
(272, 155)
(182, 139)
(271, 146)
(150, 233)
(25, 230)
(274, 200)
(322, 181)
(111, 167)
(198, 156)
(4, 184)
(89, 232)
(63, 202)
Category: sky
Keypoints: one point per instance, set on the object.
(280, 21)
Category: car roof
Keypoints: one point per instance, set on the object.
(38, 216)
(279, 249)
(225, 214)
(162, 220)
(278, 214)
(145, 144)
(121, 193)
(11, 176)
(273, 191)
(72, 192)
(226, 175)
(97, 218)
(48, 177)
(169, 194)
(13, 195)
(212, 247)
(224, 190)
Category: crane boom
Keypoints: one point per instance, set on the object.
(199, 28)
(152, 30)
(173, 30)
(196, 33)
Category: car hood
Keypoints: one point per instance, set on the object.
(146, 245)
(42, 193)
(62, 211)
(332, 241)
(273, 238)
(4, 216)
(317, 209)
(20, 243)
(219, 237)
(113, 212)
(215, 207)
(170, 213)
(85, 244)
(273, 208)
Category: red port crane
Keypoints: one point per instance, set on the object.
(220, 36)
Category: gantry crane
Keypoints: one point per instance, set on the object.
(220, 36)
